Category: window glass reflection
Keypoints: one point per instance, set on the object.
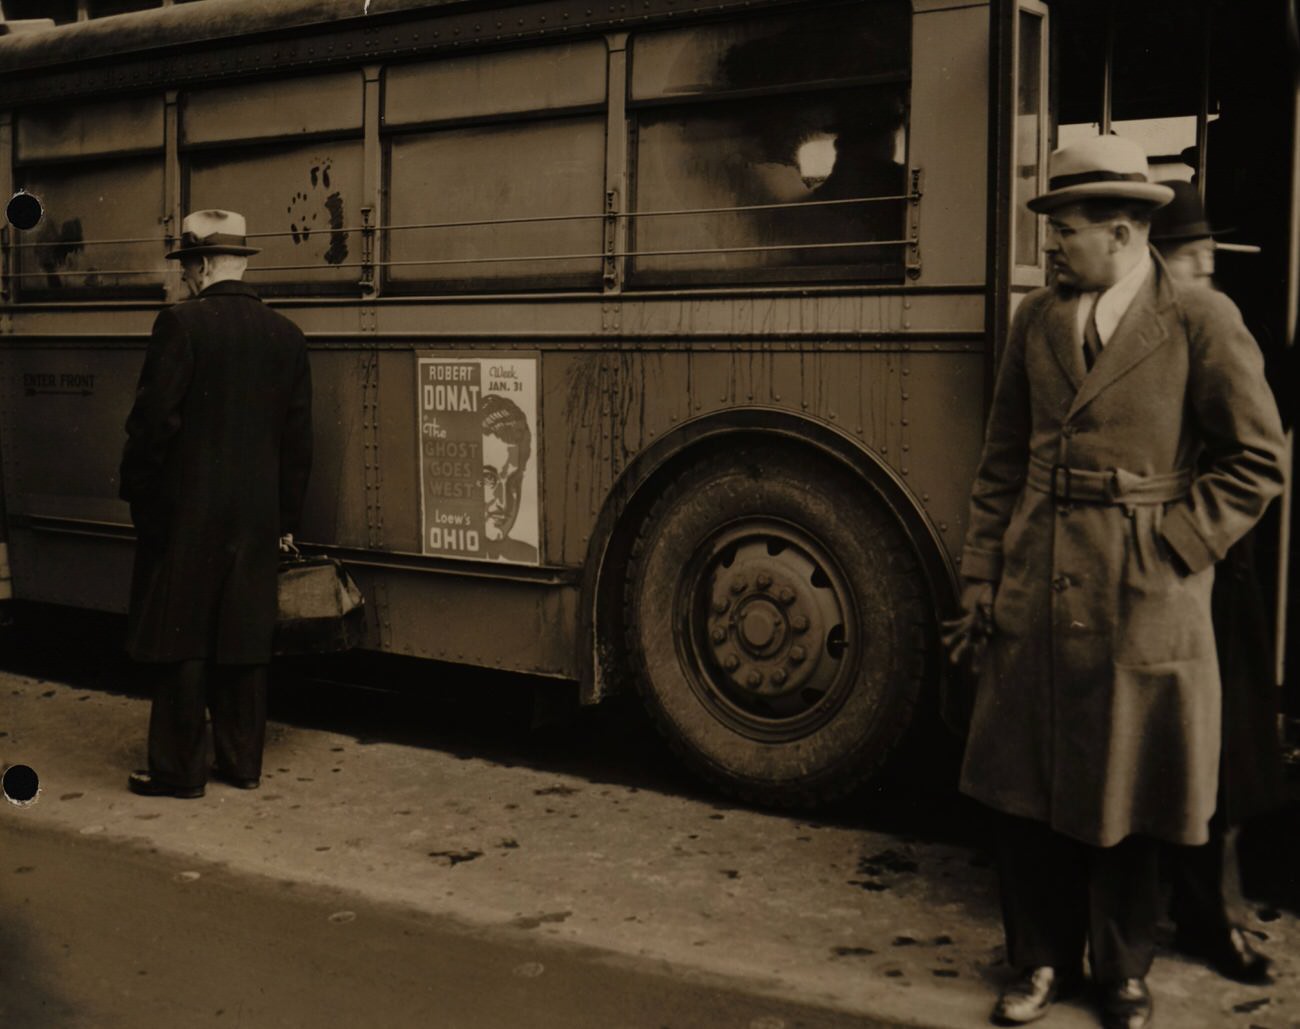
(761, 183)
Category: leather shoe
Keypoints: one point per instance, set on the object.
(147, 786)
(237, 781)
(1230, 954)
(1125, 1004)
(1029, 995)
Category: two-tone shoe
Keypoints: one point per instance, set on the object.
(1125, 1004)
(1029, 996)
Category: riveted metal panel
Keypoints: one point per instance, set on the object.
(279, 109)
(108, 127)
(565, 75)
(492, 623)
(335, 506)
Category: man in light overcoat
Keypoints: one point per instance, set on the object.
(1131, 440)
(215, 470)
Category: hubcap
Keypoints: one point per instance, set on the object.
(768, 614)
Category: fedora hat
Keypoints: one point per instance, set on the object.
(1183, 218)
(212, 232)
(1100, 167)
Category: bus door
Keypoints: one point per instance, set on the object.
(1210, 94)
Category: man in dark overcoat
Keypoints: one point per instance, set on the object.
(1131, 440)
(1250, 765)
(215, 470)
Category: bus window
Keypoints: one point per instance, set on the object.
(1030, 43)
(513, 204)
(761, 143)
(98, 170)
(243, 149)
(458, 198)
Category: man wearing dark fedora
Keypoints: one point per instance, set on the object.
(1250, 768)
(215, 470)
(1131, 440)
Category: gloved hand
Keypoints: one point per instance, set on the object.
(966, 637)
(287, 544)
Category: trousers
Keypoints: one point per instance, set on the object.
(1059, 893)
(1197, 903)
(235, 697)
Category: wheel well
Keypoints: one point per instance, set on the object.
(605, 659)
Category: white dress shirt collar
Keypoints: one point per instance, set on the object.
(1113, 302)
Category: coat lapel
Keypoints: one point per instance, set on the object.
(1142, 329)
(1061, 330)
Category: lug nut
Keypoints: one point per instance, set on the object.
(779, 677)
(799, 623)
(738, 585)
(731, 662)
(764, 580)
(753, 679)
(797, 654)
(720, 605)
(719, 634)
(786, 596)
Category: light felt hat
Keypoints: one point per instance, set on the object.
(213, 232)
(1100, 167)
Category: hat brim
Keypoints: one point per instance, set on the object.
(211, 250)
(1152, 193)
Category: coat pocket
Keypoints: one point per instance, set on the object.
(1162, 614)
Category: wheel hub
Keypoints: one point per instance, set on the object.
(770, 613)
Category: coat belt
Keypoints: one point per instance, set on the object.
(1067, 485)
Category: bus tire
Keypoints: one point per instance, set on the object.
(778, 620)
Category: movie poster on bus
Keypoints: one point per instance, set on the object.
(479, 457)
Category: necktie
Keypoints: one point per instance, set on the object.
(1091, 339)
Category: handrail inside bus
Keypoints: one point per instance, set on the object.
(530, 219)
(81, 272)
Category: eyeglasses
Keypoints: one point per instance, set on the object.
(1064, 232)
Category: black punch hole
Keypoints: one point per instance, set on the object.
(21, 784)
(24, 210)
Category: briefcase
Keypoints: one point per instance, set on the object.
(320, 608)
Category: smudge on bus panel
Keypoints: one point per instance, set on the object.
(338, 248)
(59, 248)
(305, 208)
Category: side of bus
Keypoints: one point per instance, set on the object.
(748, 449)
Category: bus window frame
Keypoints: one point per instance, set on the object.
(775, 276)
(238, 148)
(523, 285)
(1024, 274)
(18, 276)
(235, 147)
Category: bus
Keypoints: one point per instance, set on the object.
(651, 339)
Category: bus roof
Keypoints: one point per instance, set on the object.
(195, 23)
(186, 45)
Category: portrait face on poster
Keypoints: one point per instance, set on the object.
(479, 463)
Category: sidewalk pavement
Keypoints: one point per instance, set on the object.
(853, 919)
